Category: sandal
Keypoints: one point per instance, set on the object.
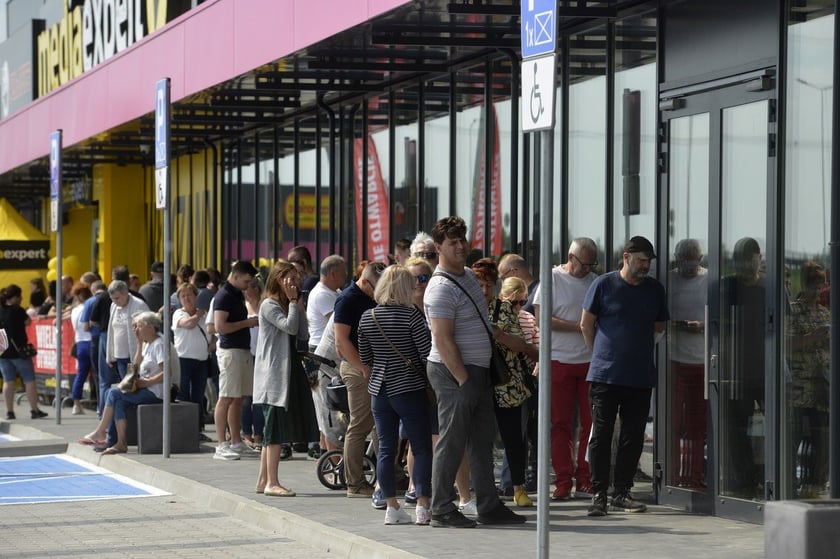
(279, 491)
(114, 450)
(88, 441)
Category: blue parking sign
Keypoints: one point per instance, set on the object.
(539, 27)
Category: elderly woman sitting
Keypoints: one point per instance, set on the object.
(148, 360)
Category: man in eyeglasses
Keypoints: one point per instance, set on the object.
(458, 372)
(512, 265)
(424, 247)
(351, 303)
(569, 365)
(623, 314)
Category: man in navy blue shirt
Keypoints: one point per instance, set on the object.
(351, 303)
(623, 314)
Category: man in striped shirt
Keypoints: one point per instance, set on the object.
(458, 372)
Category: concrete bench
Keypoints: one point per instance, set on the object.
(145, 428)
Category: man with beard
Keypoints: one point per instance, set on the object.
(623, 314)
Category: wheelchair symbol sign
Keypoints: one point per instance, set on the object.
(538, 86)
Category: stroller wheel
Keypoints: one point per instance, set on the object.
(330, 470)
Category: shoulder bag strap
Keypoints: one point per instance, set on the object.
(461, 287)
(390, 343)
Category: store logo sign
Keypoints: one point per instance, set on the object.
(24, 255)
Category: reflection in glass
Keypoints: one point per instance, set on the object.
(743, 299)
(687, 294)
(806, 357)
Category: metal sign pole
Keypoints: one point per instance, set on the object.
(56, 216)
(162, 158)
(539, 65)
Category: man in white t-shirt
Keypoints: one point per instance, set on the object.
(322, 298)
(569, 365)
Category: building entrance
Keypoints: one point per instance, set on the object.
(715, 454)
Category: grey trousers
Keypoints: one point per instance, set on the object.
(467, 421)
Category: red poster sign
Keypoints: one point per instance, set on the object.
(495, 190)
(41, 334)
(377, 202)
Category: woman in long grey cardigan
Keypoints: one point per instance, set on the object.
(279, 379)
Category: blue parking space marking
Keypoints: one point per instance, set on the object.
(57, 478)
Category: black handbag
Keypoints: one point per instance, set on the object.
(337, 395)
(499, 371)
(26, 351)
(74, 350)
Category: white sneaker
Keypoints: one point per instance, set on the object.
(468, 509)
(424, 515)
(397, 516)
(78, 410)
(224, 452)
(244, 451)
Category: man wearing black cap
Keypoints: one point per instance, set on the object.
(623, 313)
(152, 291)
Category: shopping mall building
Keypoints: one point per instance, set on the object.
(345, 125)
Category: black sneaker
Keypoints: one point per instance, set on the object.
(624, 502)
(285, 451)
(501, 515)
(599, 505)
(37, 414)
(410, 497)
(452, 519)
(10, 415)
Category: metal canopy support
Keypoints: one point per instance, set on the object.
(834, 243)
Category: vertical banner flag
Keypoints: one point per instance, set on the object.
(479, 197)
(378, 225)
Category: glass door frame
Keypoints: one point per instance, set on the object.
(741, 90)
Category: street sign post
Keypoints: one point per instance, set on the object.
(538, 75)
(162, 157)
(539, 27)
(56, 211)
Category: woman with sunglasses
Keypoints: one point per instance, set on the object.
(510, 398)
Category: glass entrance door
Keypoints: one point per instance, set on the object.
(713, 450)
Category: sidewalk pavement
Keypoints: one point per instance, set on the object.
(337, 526)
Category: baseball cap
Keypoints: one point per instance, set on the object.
(640, 244)
(157, 267)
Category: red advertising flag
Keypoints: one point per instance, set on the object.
(377, 202)
(479, 193)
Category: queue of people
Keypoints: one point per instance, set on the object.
(412, 343)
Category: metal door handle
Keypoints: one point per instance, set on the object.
(710, 361)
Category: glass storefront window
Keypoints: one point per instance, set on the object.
(805, 351)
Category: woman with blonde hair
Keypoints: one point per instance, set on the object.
(279, 379)
(394, 342)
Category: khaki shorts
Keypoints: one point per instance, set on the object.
(236, 372)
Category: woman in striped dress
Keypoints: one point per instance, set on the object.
(394, 341)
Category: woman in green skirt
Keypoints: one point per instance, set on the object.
(279, 379)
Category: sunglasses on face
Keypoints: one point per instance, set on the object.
(520, 302)
(426, 255)
(422, 278)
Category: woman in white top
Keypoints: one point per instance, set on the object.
(191, 344)
(84, 365)
(148, 358)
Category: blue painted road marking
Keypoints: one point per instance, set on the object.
(57, 478)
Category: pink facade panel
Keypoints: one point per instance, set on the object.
(212, 43)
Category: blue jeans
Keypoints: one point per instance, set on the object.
(193, 383)
(83, 368)
(413, 409)
(107, 375)
(10, 368)
(252, 417)
(466, 418)
(120, 401)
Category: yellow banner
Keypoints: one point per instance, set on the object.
(306, 211)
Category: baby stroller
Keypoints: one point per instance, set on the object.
(330, 467)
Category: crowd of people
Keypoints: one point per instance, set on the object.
(413, 341)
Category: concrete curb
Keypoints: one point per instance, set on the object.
(329, 540)
(33, 442)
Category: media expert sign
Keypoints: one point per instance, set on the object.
(92, 33)
(24, 255)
